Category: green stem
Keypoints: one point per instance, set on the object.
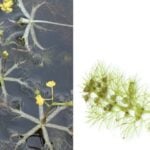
(69, 103)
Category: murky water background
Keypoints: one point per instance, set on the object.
(55, 63)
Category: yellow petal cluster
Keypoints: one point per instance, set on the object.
(7, 6)
(39, 100)
(51, 84)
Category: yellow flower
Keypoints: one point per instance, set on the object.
(39, 100)
(7, 5)
(5, 54)
(51, 84)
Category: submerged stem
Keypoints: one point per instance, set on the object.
(11, 79)
(35, 39)
(15, 66)
(26, 36)
(4, 91)
(58, 127)
(57, 111)
(52, 23)
(46, 138)
(26, 116)
(27, 135)
(23, 9)
(27, 21)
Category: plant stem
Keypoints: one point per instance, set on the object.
(52, 92)
(27, 21)
(53, 23)
(15, 66)
(57, 111)
(46, 138)
(27, 135)
(62, 128)
(69, 103)
(41, 112)
(25, 115)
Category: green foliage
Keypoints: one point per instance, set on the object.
(114, 100)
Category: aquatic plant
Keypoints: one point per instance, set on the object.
(116, 101)
(48, 108)
(45, 117)
(31, 23)
(10, 39)
(4, 74)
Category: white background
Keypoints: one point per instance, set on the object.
(116, 32)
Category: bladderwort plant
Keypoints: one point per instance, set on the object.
(4, 74)
(48, 108)
(7, 41)
(32, 23)
(45, 117)
(116, 101)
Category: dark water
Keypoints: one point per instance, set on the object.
(54, 63)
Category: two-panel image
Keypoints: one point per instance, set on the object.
(82, 84)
